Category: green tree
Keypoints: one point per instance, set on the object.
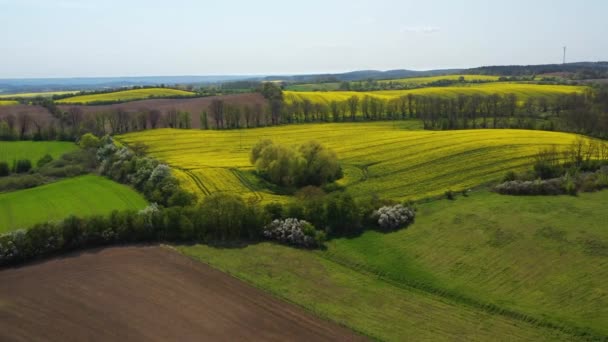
(4, 169)
(89, 140)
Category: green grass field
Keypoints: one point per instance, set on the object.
(8, 103)
(33, 150)
(544, 258)
(81, 196)
(521, 90)
(125, 95)
(42, 93)
(392, 160)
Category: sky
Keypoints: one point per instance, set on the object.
(95, 38)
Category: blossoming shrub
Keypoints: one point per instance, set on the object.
(393, 217)
(294, 232)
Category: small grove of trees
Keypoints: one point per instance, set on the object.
(583, 166)
(308, 164)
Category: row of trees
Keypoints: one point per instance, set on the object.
(585, 113)
(219, 217)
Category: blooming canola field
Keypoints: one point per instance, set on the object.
(392, 160)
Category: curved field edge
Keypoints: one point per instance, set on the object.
(361, 301)
(502, 257)
(82, 196)
(125, 95)
(391, 160)
(544, 257)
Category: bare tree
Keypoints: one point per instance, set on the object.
(353, 105)
(217, 112)
(23, 121)
(154, 117)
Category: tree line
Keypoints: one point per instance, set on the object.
(585, 113)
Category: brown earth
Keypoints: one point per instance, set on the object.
(194, 106)
(146, 293)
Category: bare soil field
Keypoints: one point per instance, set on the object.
(194, 106)
(145, 293)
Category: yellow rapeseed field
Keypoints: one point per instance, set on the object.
(392, 160)
(125, 95)
(521, 90)
(8, 103)
(429, 79)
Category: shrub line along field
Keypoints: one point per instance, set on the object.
(81, 196)
(125, 95)
(8, 103)
(521, 90)
(466, 269)
(392, 160)
(146, 294)
(33, 150)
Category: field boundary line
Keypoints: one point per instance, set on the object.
(490, 308)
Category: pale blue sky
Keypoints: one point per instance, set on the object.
(70, 38)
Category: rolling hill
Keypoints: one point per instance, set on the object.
(81, 196)
(391, 160)
(125, 95)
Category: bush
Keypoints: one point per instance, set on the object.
(393, 217)
(89, 141)
(555, 186)
(145, 174)
(309, 164)
(294, 232)
(23, 166)
(44, 160)
(510, 176)
(18, 182)
(225, 216)
(4, 169)
(449, 194)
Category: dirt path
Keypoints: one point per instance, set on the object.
(145, 294)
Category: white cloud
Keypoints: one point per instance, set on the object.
(420, 29)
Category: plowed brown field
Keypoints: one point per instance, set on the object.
(145, 294)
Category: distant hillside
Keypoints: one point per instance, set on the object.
(12, 86)
(360, 75)
(580, 70)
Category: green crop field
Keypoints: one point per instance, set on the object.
(43, 94)
(33, 150)
(521, 90)
(8, 103)
(392, 160)
(81, 196)
(542, 258)
(125, 95)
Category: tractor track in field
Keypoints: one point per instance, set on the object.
(196, 180)
(248, 185)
